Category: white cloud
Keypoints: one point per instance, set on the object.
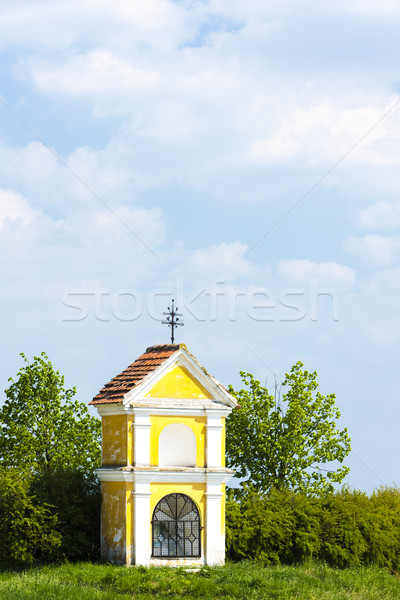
(367, 8)
(180, 114)
(14, 208)
(222, 105)
(225, 262)
(45, 25)
(382, 216)
(73, 236)
(327, 132)
(135, 229)
(302, 271)
(109, 173)
(36, 171)
(97, 72)
(375, 250)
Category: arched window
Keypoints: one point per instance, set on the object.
(176, 527)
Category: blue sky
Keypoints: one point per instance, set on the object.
(240, 157)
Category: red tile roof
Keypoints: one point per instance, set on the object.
(114, 391)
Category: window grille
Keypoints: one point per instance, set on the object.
(176, 528)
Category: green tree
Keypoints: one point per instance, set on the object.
(42, 426)
(285, 444)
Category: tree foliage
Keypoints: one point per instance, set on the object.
(43, 427)
(285, 443)
(343, 529)
(50, 506)
(75, 500)
(27, 527)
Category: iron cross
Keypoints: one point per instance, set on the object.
(172, 319)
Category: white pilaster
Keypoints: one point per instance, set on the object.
(215, 541)
(141, 439)
(213, 439)
(141, 523)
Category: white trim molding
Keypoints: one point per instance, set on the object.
(141, 520)
(141, 429)
(154, 406)
(213, 439)
(214, 546)
(159, 475)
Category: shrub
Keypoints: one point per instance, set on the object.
(75, 501)
(27, 527)
(342, 516)
(382, 528)
(258, 528)
(345, 528)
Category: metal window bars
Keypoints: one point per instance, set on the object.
(176, 528)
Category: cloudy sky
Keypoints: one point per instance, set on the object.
(240, 157)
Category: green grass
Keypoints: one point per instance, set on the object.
(246, 580)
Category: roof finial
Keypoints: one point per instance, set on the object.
(172, 319)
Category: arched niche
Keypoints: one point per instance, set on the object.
(177, 446)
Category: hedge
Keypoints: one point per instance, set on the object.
(346, 528)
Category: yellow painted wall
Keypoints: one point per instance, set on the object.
(195, 491)
(113, 521)
(114, 439)
(129, 517)
(196, 424)
(130, 440)
(178, 383)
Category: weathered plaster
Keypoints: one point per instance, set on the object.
(114, 440)
(113, 521)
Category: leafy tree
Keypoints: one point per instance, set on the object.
(27, 528)
(42, 426)
(283, 444)
(52, 444)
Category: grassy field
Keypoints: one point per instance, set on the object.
(245, 580)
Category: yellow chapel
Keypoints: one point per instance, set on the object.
(163, 471)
